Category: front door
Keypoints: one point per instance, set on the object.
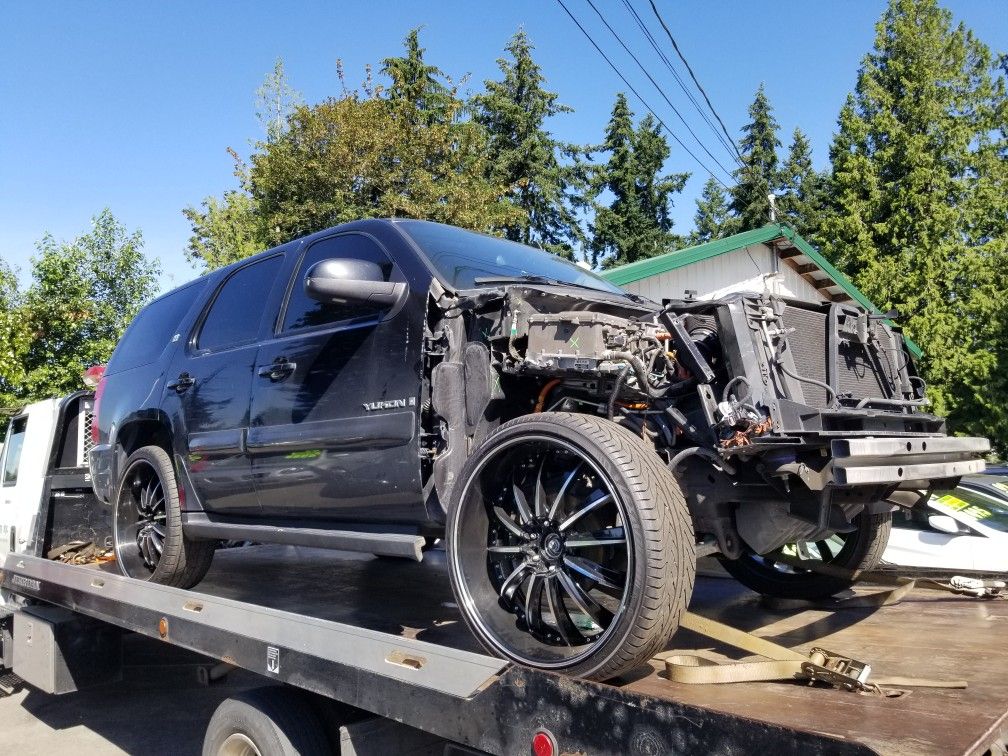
(209, 384)
(334, 419)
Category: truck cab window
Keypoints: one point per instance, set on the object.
(12, 450)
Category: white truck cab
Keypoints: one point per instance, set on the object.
(44, 457)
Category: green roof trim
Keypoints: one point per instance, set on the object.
(654, 266)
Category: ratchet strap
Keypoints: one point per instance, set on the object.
(781, 663)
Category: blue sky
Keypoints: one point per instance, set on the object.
(132, 105)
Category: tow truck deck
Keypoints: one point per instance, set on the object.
(385, 636)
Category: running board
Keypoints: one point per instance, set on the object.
(199, 525)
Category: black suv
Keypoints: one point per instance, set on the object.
(387, 383)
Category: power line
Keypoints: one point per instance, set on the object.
(726, 143)
(637, 95)
(693, 75)
(658, 87)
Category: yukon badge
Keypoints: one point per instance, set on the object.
(390, 404)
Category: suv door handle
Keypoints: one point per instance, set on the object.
(182, 384)
(280, 369)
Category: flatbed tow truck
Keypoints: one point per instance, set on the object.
(384, 638)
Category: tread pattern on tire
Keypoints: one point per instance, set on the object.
(670, 565)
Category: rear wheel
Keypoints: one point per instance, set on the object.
(569, 546)
(147, 524)
(271, 721)
(815, 570)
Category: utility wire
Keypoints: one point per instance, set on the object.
(693, 75)
(637, 95)
(719, 135)
(658, 87)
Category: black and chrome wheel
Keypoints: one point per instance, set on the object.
(569, 545)
(147, 524)
(814, 570)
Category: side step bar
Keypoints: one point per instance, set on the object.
(199, 525)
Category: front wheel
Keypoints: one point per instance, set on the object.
(569, 545)
(816, 570)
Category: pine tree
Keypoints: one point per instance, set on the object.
(524, 155)
(759, 173)
(421, 86)
(801, 189)
(713, 219)
(636, 224)
(919, 208)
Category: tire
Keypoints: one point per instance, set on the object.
(589, 470)
(271, 721)
(862, 551)
(154, 518)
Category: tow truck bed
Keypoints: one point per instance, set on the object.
(384, 635)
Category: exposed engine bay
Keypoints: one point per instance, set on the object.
(783, 420)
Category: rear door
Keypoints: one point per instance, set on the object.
(334, 428)
(209, 382)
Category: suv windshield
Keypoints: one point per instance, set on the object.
(463, 257)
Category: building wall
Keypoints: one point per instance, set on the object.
(746, 269)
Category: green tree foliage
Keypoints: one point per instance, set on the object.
(636, 223)
(82, 296)
(428, 94)
(405, 151)
(523, 155)
(759, 174)
(919, 209)
(713, 219)
(275, 100)
(14, 341)
(802, 189)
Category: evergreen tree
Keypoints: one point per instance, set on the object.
(713, 219)
(919, 208)
(801, 192)
(425, 89)
(759, 174)
(523, 154)
(636, 223)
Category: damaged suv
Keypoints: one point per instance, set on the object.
(387, 383)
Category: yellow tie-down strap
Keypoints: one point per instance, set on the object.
(781, 663)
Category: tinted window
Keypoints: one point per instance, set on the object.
(12, 450)
(237, 309)
(462, 256)
(303, 312)
(153, 329)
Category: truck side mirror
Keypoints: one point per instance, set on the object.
(341, 281)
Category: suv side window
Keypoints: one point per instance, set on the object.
(303, 312)
(12, 450)
(236, 311)
(153, 328)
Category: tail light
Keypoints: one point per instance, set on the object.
(99, 390)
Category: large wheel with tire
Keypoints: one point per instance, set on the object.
(271, 721)
(570, 547)
(147, 524)
(816, 570)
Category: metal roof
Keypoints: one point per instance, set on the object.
(792, 249)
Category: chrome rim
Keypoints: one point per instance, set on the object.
(238, 744)
(543, 554)
(140, 521)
